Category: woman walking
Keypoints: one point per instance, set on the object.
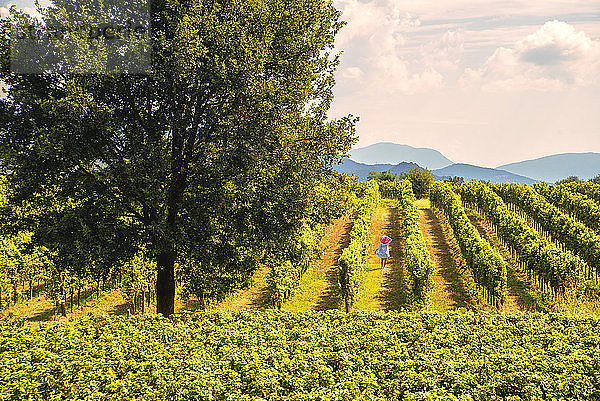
(384, 250)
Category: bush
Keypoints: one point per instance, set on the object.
(421, 180)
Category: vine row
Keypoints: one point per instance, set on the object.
(486, 264)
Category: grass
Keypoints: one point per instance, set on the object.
(451, 288)
(318, 289)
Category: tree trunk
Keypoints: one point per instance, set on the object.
(133, 304)
(143, 302)
(165, 283)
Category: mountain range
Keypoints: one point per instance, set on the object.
(401, 158)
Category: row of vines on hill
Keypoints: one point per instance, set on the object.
(577, 205)
(588, 189)
(578, 238)
(537, 255)
(486, 264)
(353, 261)
(417, 258)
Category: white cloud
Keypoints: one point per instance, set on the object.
(4, 12)
(374, 42)
(446, 52)
(552, 58)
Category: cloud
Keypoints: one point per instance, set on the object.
(556, 56)
(375, 60)
(445, 52)
(4, 12)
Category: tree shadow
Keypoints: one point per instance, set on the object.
(43, 316)
(331, 297)
(395, 289)
(261, 300)
(446, 268)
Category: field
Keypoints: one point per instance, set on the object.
(482, 298)
(306, 356)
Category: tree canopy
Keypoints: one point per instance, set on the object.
(208, 161)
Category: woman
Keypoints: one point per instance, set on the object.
(384, 250)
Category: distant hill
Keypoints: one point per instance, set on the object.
(557, 167)
(391, 153)
(351, 167)
(466, 171)
(469, 172)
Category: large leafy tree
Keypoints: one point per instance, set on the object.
(207, 160)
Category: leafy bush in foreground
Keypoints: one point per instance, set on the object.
(327, 356)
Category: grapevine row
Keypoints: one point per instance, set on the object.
(578, 205)
(284, 277)
(353, 261)
(578, 238)
(588, 189)
(537, 255)
(487, 265)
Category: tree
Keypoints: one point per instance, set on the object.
(596, 179)
(207, 160)
(568, 180)
(382, 176)
(421, 180)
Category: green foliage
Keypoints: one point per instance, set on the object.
(383, 176)
(578, 205)
(588, 189)
(353, 261)
(139, 274)
(417, 258)
(595, 180)
(208, 161)
(486, 264)
(421, 180)
(568, 180)
(578, 238)
(285, 356)
(541, 257)
(287, 269)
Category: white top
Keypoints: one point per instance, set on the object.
(384, 250)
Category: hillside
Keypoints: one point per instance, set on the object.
(392, 153)
(362, 170)
(556, 167)
(470, 172)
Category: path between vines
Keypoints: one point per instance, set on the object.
(387, 288)
(447, 293)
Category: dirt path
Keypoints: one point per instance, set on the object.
(385, 288)
(253, 298)
(319, 288)
(520, 292)
(448, 291)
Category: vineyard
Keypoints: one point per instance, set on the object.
(544, 234)
(455, 313)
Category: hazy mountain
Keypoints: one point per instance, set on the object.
(466, 171)
(469, 172)
(351, 167)
(557, 167)
(391, 153)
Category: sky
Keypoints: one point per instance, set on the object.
(484, 82)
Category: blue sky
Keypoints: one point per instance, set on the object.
(484, 82)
